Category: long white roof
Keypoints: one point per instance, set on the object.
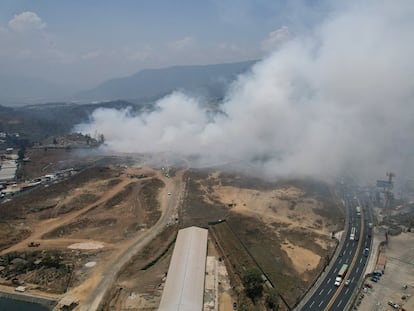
(7, 170)
(184, 287)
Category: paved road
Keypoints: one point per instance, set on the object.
(328, 296)
(344, 294)
(176, 188)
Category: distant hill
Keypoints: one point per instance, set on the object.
(208, 80)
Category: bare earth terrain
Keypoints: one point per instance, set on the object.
(106, 234)
(285, 227)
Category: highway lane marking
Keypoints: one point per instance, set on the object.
(329, 291)
(350, 252)
(354, 259)
(321, 292)
(312, 304)
(347, 244)
(360, 260)
(336, 269)
(328, 280)
(340, 302)
(357, 269)
(340, 260)
(320, 303)
(347, 290)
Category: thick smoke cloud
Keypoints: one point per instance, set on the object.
(339, 99)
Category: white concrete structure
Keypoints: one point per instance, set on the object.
(184, 287)
(7, 170)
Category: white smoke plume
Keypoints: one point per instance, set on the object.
(339, 99)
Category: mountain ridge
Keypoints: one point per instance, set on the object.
(209, 80)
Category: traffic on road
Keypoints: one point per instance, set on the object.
(341, 280)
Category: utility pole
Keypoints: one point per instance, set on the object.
(388, 193)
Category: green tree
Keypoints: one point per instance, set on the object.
(19, 172)
(101, 138)
(52, 259)
(253, 283)
(21, 153)
(272, 299)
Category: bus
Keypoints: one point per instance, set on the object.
(341, 274)
(352, 235)
(358, 210)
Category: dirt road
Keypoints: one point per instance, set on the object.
(49, 225)
(168, 205)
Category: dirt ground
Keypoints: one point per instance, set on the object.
(285, 226)
(139, 286)
(288, 207)
(102, 205)
(44, 161)
(398, 272)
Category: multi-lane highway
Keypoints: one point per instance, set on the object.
(352, 252)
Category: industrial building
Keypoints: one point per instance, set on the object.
(7, 170)
(184, 287)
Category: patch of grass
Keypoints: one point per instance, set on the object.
(11, 235)
(120, 196)
(148, 196)
(33, 201)
(154, 261)
(75, 204)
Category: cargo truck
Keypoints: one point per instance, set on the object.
(341, 274)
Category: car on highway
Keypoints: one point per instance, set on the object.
(234, 306)
(366, 251)
(347, 282)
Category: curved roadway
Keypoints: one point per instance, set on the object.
(328, 296)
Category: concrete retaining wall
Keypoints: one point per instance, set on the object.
(46, 302)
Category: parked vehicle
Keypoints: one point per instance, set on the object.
(393, 304)
(378, 274)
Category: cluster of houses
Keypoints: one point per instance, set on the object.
(8, 184)
(70, 141)
(4, 136)
(8, 167)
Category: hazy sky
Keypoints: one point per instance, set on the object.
(335, 99)
(81, 43)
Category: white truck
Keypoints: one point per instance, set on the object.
(341, 274)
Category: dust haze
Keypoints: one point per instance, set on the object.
(336, 100)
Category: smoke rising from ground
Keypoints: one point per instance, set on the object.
(338, 100)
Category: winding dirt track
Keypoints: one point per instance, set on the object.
(103, 282)
(92, 292)
(48, 225)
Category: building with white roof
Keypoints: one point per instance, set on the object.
(184, 287)
(7, 170)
